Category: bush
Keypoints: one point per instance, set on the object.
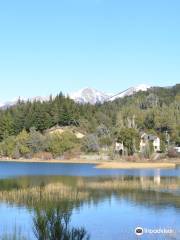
(90, 143)
(36, 141)
(130, 139)
(148, 150)
(172, 153)
(43, 155)
(15, 147)
(104, 136)
(58, 144)
(7, 147)
(22, 148)
(37, 145)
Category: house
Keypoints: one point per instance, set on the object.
(146, 139)
(119, 148)
(177, 149)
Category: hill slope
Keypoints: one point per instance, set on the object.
(157, 109)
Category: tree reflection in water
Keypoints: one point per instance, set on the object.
(52, 199)
(53, 223)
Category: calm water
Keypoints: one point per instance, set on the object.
(8, 169)
(109, 204)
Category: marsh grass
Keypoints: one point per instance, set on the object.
(80, 190)
(53, 199)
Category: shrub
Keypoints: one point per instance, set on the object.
(90, 143)
(43, 155)
(58, 144)
(172, 153)
(8, 146)
(104, 136)
(130, 139)
(22, 148)
(148, 150)
(36, 141)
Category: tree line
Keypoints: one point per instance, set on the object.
(156, 111)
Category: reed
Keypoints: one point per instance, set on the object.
(87, 189)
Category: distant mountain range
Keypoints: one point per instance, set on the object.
(87, 95)
(14, 102)
(93, 96)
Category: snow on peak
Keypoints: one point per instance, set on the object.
(89, 95)
(130, 91)
(15, 101)
(141, 87)
(85, 95)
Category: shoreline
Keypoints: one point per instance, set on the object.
(102, 164)
(37, 160)
(136, 165)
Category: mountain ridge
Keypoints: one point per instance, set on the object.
(93, 96)
(84, 96)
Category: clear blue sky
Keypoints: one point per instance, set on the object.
(52, 45)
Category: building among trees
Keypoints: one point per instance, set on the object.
(150, 139)
(119, 148)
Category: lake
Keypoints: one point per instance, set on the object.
(107, 204)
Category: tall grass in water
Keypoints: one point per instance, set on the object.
(87, 189)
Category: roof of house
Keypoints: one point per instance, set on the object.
(149, 137)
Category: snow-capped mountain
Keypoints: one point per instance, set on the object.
(89, 95)
(86, 95)
(15, 101)
(142, 87)
(7, 104)
(93, 96)
(130, 91)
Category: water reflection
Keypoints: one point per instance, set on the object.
(32, 192)
(53, 223)
(53, 199)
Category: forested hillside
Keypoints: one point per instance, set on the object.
(156, 111)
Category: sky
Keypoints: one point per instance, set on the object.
(65, 45)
